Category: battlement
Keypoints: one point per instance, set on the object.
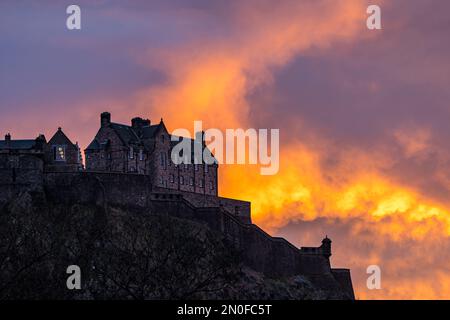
(129, 167)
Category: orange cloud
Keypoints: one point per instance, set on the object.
(210, 80)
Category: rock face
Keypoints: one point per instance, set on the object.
(124, 253)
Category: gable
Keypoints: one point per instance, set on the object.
(59, 138)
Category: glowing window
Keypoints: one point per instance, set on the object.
(59, 153)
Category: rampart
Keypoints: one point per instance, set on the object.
(272, 256)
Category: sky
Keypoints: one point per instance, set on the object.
(363, 114)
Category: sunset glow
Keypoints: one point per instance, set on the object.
(363, 116)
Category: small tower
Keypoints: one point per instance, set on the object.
(326, 247)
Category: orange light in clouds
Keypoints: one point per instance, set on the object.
(210, 80)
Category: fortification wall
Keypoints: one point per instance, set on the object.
(270, 255)
(19, 172)
(126, 190)
(263, 253)
(239, 208)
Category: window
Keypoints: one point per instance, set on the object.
(191, 181)
(206, 168)
(161, 181)
(131, 155)
(169, 158)
(172, 179)
(181, 180)
(163, 159)
(141, 155)
(202, 183)
(59, 153)
(196, 167)
(211, 186)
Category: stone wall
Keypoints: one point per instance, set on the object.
(270, 255)
(239, 208)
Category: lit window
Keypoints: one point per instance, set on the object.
(59, 153)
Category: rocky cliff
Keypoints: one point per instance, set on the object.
(130, 254)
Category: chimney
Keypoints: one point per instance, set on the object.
(40, 141)
(105, 119)
(326, 247)
(7, 140)
(138, 123)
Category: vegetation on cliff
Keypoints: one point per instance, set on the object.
(125, 255)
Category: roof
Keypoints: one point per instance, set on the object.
(94, 145)
(125, 133)
(60, 138)
(192, 141)
(150, 131)
(18, 144)
(129, 136)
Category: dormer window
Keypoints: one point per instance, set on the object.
(59, 153)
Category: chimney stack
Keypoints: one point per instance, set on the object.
(8, 139)
(326, 247)
(105, 119)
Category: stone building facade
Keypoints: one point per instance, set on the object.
(25, 161)
(145, 148)
(128, 166)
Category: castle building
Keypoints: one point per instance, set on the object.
(145, 148)
(26, 160)
(130, 166)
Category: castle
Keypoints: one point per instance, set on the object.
(130, 166)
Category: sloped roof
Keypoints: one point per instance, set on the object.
(192, 141)
(150, 131)
(60, 138)
(18, 144)
(94, 145)
(125, 133)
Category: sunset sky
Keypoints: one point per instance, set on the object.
(363, 115)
